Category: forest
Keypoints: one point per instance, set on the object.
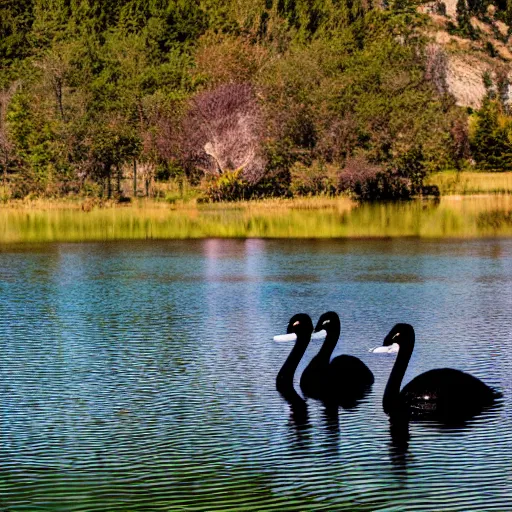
(238, 99)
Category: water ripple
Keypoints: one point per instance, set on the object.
(141, 376)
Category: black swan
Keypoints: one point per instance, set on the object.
(343, 380)
(443, 394)
(300, 327)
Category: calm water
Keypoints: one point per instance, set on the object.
(140, 376)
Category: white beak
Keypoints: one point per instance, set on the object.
(293, 337)
(391, 349)
(320, 335)
(285, 337)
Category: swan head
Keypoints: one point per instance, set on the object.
(300, 323)
(328, 322)
(401, 334)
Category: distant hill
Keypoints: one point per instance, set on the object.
(475, 45)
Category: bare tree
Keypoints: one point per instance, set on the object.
(460, 139)
(222, 132)
(436, 65)
(502, 81)
(55, 68)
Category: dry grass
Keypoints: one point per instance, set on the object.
(472, 183)
(450, 183)
(300, 203)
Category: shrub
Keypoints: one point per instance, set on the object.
(232, 186)
(275, 183)
(313, 180)
(440, 8)
(409, 165)
(5, 193)
(366, 181)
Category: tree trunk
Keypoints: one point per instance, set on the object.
(6, 161)
(58, 97)
(134, 178)
(109, 182)
(118, 174)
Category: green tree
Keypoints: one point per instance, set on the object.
(491, 144)
(16, 18)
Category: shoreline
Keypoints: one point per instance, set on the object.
(453, 185)
(144, 204)
(471, 216)
(302, 203)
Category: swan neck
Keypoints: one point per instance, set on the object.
(328, 345)
(392, 392)
(284, 381)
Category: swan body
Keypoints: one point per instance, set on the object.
(443, 394)
(342, 379)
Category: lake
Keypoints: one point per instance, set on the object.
(140, 375)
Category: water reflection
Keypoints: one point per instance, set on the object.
(398, 448)
(298, 421)
(451, 217)
(331, 419)
(401, 439)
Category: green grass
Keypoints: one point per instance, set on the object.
(453, 216)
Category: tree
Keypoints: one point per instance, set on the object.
(491, 143)
(222, 132)
(6, 146)
(464, 20)
(16, 18)
(108, 147)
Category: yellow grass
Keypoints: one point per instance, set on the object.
(452, 216)
(87, 205)
(470, 183)
(472, 205)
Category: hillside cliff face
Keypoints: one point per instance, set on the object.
(475, 61)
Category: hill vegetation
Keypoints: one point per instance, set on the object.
(245, 98)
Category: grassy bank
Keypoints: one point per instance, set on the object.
(472, 183)
(452, 216)
(472, 205)
(450, 183)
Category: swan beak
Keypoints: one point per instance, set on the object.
(320, 335)
(390, 349)
(285, 337)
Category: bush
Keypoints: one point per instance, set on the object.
(5, 193)
(231, 186)
(409, 165)
(313, 180)
(275, 183)
(440, 8)
(430, 190)
(366, 181)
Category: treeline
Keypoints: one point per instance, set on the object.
(243, 98)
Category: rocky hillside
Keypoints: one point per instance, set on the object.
(483, 49)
